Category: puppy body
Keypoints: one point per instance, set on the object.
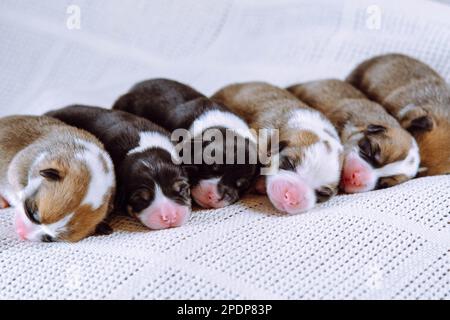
(216, 182)
(378, 151)
(418, 97)
(150, 186)
(59, 179)
(310, 163)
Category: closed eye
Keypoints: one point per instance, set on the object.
(31, 211)
(370, 152)
(287, 164)
(323, 194)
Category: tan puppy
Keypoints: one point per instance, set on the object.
(378, 151)
(418, 97)
(58, 178)
(310, 158)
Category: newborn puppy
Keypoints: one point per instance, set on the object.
(59, 179)
(310, 158)
(217, 179)
(379, 153)
(150, 186)
(417, 97)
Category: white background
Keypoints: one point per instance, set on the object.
(205, 43)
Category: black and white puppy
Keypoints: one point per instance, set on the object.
(150, 185)
(218, 178)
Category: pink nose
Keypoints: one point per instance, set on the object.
(167, 215)
(213, 197)
(290, 196)
(354, 179)
(20, 228)
(207, 196)
(357, 175)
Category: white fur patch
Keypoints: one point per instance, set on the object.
(36, 231)
(101, 182)
(218, 118)
(33, 182)
(153, 139)
(408, 166)
(31, 188)
(320, 166)
(158, 198)
(214, 181)
(313, 121)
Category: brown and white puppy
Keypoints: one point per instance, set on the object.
(59, 179)
(418, 97)
(310, 158)
(379, 153)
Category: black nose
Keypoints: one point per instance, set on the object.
(47, 238)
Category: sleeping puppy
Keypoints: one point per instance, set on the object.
(217, 178)
(417, 97)
(310, 154)
(379, 153)
(59, 179)
(150, 186)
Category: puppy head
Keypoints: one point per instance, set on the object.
(377, 157)
(309, 170)
(154, 190)
(67, 195)
(222, 170)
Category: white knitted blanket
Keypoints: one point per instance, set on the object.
(384, 244)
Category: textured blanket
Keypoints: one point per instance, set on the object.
(384, 244)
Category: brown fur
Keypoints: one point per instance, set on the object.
(396, 81)
(265, 106)
(22, 140)
(343, 105)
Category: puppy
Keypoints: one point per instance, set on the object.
(379, 153)
(150, 186)
(59, 179)
(218, 178)
(311, 154)
(418, 97)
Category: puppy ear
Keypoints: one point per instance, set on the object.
(51, 174)
(375, 128)
(424, 123)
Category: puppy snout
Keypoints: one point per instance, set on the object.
(290, 195)
(166, 215)
(208, 196)
(357, 176)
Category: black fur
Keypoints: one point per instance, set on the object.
(174, 105)
(136, 173)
